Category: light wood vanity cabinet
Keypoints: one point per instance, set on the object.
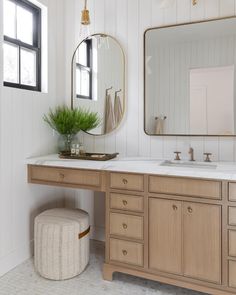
(185, 238)
(165, 235)
(176, 230)
(202, 241)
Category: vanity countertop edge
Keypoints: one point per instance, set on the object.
(225, 170)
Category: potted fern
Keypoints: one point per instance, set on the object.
(68, 123)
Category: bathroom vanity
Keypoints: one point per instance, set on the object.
(174, 225)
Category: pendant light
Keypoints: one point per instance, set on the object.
(85, 22)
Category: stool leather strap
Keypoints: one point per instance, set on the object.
(83, 234)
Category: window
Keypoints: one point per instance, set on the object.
(84, 70)
(22, 45)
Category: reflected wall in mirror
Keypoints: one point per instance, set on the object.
(190, 79)
(98, 80)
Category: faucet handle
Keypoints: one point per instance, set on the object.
(177, 157)
(207, 157)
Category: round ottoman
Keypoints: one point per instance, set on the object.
(61, 239)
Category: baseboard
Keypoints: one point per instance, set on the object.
(15, 258)
(97, 233)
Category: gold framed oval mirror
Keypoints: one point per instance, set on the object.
(98, 80)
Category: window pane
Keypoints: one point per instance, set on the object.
(82, 82)
(24, 25)
(11, 63)
(9, 15)
(82, 54)
(28, 67)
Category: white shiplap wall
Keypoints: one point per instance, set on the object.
(127, 21)
(23, 134)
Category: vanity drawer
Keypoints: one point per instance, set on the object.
(232, 192)
(126, 252)
(128, 226)
(185, 186)
(232, 243)
(47, 175)
(125, 181)
(232, 215)
(126, 202)
(232, 274)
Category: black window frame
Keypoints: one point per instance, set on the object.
(88, 68)
(36, 46)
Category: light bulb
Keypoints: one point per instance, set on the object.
(84, 31)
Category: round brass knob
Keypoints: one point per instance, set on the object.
(190, 210)
(62, 175)
(124, 252)
(125, 181)
(125, 203)
(175, 208)
(125, 226)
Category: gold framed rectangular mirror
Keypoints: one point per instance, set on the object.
(189, 79)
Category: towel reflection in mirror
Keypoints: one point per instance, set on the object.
(113, 112)
(160, 124)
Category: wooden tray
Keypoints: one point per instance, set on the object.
(88, 156)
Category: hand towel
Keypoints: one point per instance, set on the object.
(118, 111)
(109, 122)
(159, 128)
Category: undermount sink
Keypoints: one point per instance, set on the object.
(188, 164)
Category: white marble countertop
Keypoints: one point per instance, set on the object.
(223, 171)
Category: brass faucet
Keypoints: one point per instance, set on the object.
(191, 153)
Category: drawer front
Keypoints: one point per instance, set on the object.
(183, 186)
(126, 252)
(128, 226)
(232, 215)
(132, 182)
(232, 274)
(232, 243)
(126, 202)
(65, 176)
(232, 192)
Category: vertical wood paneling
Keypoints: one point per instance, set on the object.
(122, 36)
(227, 7)
(144, 22)
(198, 11)
(212, 8)
(183, 11)
(23, 134)
(133, 123)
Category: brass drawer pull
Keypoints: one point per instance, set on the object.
(125, 226)
(175, 208)
(125, 253)
(190, 210)
(62, 176)
(125, 203)
(125, 181)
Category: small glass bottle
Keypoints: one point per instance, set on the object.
(73, 149)
(77, 149)
(82, 150)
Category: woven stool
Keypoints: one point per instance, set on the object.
(61, 238)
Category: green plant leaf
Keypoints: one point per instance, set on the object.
(67, 121)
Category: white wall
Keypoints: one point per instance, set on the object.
(23, 134)
(127, 20)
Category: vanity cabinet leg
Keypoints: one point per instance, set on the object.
(107, 272)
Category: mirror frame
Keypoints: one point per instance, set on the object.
(144, 68)
(124, 78)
